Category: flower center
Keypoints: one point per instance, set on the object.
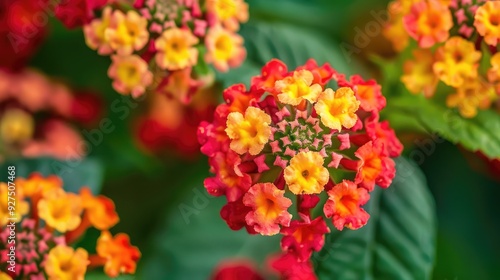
(495, 20)
(349, 203)
(434, 21)
(65, 266)
(458, 57)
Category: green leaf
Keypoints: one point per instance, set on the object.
(294, 45)
(194, 239)
(74, 173)
(397, 243)
(331, 17)
(478, 133)
(103, 276)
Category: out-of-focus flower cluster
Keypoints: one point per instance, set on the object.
(171, 126)
(23, 26)
(49, 220)
(36, 115)
(279, 147)
(153, 40)
(455, 38)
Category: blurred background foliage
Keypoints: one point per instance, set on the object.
(150, 191)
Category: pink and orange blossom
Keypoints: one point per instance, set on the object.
(269, 208)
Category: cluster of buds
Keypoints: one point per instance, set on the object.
(152, 41)
(48, 220)
(35, 116)
(291, 140)
(453, 38)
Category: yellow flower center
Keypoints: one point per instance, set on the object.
(268, 208)
(495, 19)
(224, 47)
(347, 205)
(128, 74)
(372, 167)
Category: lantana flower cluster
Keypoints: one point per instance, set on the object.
(48, 220)
(291, 141)
(454, 37)
(155, 44)
(36, 116)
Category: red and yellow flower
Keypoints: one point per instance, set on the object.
(249, 132)
(99, 210)
(306, 174)
(286, 141)
(228, 12)
(302, 238)
(127, 32)
(428, 22)
(456, 61)
(269, 208)
(338, 108)
(130, 75)
(487, 22)
(119, 255)
(176, 49)
(418, 73)
(473, 95)
(95, 33)
(298, 88)
(344, 205)
(64, 262)
(374, 166)
(224, 48)
(60, 210)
